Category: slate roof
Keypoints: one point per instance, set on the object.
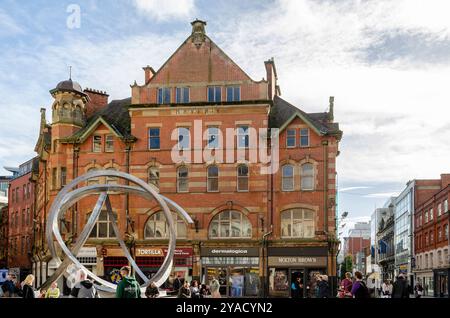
(115, 114)
(282, 111)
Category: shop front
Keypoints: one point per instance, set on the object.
(290, 264)
(150, 259)
(236, 269)
(441, 283)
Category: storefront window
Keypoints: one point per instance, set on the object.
(157, 227)
(278, 282)
(297, 223)
(230, 224)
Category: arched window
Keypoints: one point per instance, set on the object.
(111, 180)
(288, 178)
(103, 227)
(307, 176)
(297, 223)
(242, 178)
(157, 227)
(213, 179)
(93, 180)
(153, 176)
(230, 224)
(182, 179)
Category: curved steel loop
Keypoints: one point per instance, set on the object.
(64, 200)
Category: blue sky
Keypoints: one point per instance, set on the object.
(386, 62)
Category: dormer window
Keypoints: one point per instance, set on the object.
(97, 144)
(164, 95)
(214, 94)
(233, 93)
(182, 95)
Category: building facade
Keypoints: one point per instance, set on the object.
(253, 231)
(20, 225)
(431, 239)
(4, 217)
(385, 241)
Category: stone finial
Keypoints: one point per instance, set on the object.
(198, 32)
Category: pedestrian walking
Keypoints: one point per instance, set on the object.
(128, 286)
(215, 286)
(204, 291)
(152, 291)
(418, 290)
(53, 291)
(324, 289)
(345, 287)
(185, 291)
(177, 284)
(84, 288)
(28, 290)
(359, 288)
(9, 286)
(386, 289)
(195, 291)
(400, 288)
(297, 288)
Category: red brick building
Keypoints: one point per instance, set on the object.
(4, 217)
(253, 231)
(431, 239)
(20, 224)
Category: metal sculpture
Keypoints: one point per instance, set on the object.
(67, 198)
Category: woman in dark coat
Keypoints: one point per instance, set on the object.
(324, 289)
(27, 289)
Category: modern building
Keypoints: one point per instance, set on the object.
(415, 193)
(254, 231)
(20, 225)
(431, 237)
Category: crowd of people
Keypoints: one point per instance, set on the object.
(356, 287)
(128, 287)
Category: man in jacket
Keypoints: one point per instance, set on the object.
(400, 288)
(128, 286)
(84, 288)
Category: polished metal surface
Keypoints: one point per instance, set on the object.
(66, 198)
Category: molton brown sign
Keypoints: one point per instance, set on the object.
(304, 261)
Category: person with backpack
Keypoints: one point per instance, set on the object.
(359, 288)
(128, 286)
(400, 288)
(84, 288)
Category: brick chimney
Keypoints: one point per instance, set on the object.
(98, 100)
(445, 180)
(272, 78)
(149, 72)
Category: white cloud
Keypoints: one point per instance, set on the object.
(352, 188)
(8, 26)
(382, 195)
(167, 9)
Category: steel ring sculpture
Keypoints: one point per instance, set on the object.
(66, 198)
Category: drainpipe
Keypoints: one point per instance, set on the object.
(265, 258)
(75, 208)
